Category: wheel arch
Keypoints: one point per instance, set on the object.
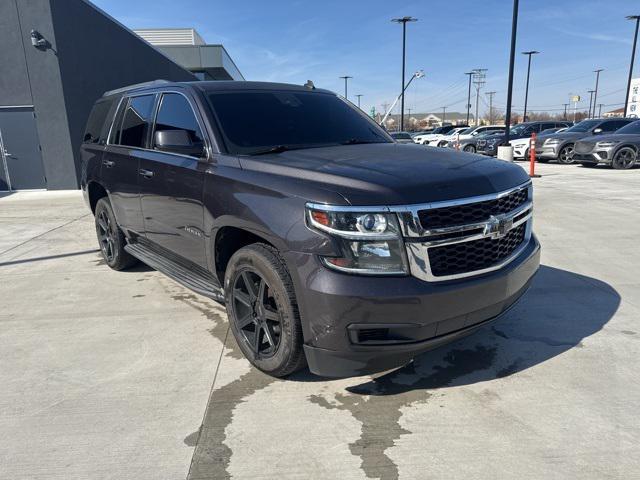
(96, 191)
(228, 240)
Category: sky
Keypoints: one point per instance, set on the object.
(294, 41)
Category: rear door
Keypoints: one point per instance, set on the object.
(128, 142)
(171, 183)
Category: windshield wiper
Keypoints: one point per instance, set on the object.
(274, 149)
(359, 141)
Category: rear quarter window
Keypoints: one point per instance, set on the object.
(97, 129)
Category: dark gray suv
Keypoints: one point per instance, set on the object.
(329, 243)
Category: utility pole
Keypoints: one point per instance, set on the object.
(526, 92)
(470, 74)
(565, 111)
(491, 94)
(633, 54)
(358, 97)
(479, 79)
(600, 105)
(345, 77)
(403, 21)
(385, 107)
(595, 94)
(512, 54)
(444, 114)
(590, 92)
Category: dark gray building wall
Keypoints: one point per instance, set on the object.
(90, 53)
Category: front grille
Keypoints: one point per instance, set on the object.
(474, 255)
(471, 212)
(583, 147)
(481, 143)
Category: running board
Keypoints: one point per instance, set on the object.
(204, 284)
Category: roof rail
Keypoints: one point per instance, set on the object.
(134, 86)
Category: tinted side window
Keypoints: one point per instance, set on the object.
(175, 113)
(610, 126)
(95, 131)
(135, 123)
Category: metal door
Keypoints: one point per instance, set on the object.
(20, 153)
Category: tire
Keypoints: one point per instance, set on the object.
(469, 149)
(110, 237)
(624, 158)
(565, 155)
(542, 160)
(263, 312)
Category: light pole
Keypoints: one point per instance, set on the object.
(595, 92)
(491, 94)
(444, 114)
(633, 54)
(526, 92)
(358, 97)
(345, 77)
(418, 74)
(600, 105)
(514, 30)
(590, 92)
(470, 74)
(565, 111)
(403, 21)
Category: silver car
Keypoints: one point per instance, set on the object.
(620, 149)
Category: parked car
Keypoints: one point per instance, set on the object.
(469, 145)
(402, 137)
(559, 146)
(443, 140)
(329, 244)
(424, 139)
(421, 132)
(619, 149)
(521, 146)
(489, 146)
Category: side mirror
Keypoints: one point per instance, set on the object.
(596, 131)
(177, 141)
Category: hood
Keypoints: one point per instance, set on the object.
(391, 174)
(613, 137)
(564, 135)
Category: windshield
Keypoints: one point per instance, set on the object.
(518, 129)
(630, 129)
(438, 130)
(259, 121)
(467, 131)
(401, 136)
(583, 126)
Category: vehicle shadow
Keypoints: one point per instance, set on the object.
(559, 311)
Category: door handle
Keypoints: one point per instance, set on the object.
(108, 163)
(145, 173)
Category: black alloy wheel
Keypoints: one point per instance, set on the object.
(105, 235)
(624, 158)
(257, 314)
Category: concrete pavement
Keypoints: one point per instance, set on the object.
(129, 375)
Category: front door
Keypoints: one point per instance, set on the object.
(171, 184)
(20, 156)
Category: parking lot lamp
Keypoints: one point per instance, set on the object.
(590, 92)
(403, 21)
(470, 74)
(345, 77)
(526, 91)
(444, 114)
(512, 54)
(565, 111)
(600, 105)
(358, 97)
(595, 92)
(633, 54)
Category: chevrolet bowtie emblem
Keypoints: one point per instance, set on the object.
(498, 227)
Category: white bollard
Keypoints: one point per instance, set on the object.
(505, 153)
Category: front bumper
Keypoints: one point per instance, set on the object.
(600, 156)
(406, 315)
(548, 152)
(491, 150)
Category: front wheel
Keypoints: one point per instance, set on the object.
(262, 309)
(566, 155)
(469, 149)
(624, 158)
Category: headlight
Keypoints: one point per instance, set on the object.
(552, 141)
(607, 144)
(370, 242)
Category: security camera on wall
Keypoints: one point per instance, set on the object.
(38, 41)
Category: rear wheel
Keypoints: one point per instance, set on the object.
(624, 158)
(111, 238)
(262, 309)
(566, 154)
(469, 149)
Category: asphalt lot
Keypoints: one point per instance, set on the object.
(128, 375)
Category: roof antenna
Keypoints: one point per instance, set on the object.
(310, 85)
